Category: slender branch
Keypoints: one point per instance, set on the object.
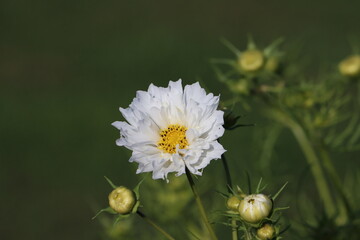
(227, 173)
(200, 205)
(234, 231)
(247, 235)
(311, 157)
(344, 206)
(154, 225)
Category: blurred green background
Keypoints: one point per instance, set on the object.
(66, 67)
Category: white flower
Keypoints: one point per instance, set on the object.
(169, 129)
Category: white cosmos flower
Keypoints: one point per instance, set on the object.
(171, 128)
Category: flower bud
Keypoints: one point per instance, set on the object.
(233, 203)
(350, 66)
(254, 208)
(122, 200)
(266, 232)
(272, 64)
(241, 87)
(251, 60)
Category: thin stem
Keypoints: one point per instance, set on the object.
(234, 232)
(227, 173)
(247, 235)
(316, 169)
(344, 206)
(311, 157)
(229, 188)
(200, 205)
(154, 225)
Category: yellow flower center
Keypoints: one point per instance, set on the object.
(173, 135)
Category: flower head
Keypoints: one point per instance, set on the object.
(170, 129)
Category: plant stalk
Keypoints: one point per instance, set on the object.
(200, 205)
(154, 225)
(311, 157)
(344, 206)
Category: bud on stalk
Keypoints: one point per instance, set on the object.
(255, 207)
(122, 200)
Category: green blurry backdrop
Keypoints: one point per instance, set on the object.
(66, 67)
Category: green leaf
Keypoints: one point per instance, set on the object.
(248, 181)
(228, 214)
(251, 43)
(277, 194)
(136, 206)
(110, 182)
(193, 234)
(226, 196)
(108, 210)
(223, 61)
(258, 186)
(279, 209)
(272, 47)
(239, 190)
(120, 217)
(137, 188)
(231, 47)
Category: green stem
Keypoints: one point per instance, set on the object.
(154, 225)
(247, 235)
(234, 229)
(234, 232)
(227, 174)
(344, 206)
(316, 169)
(311, 158)
(200, 205)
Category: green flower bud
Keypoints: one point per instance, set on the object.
(241, 86)
(251, 60)
(272, 64)
(233, 203)
(266, 232)
(122, 200)
(254, 208)
(350, 66)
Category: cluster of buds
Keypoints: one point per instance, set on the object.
(256, 211)
(253, 60)
(254, 70)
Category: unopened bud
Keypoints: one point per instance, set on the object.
(350, 66)
(251, 60)
(272, 64)
(241, 86)
(122, 200)
(266, 232)
(254, 208)
(233, 203)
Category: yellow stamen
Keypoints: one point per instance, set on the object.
(173, 135)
